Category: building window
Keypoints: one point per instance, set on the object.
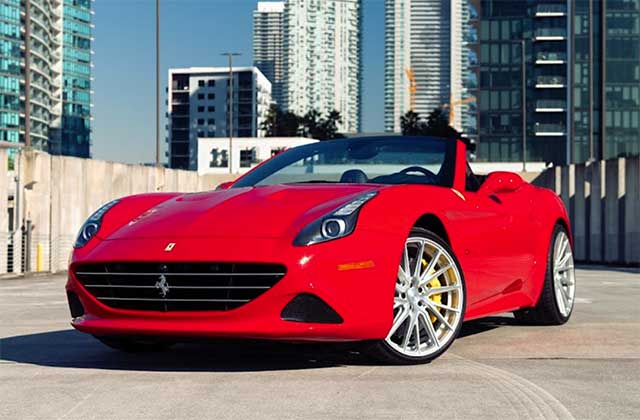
(211, 83)
(218, 158)
(211, 133)
(201, 83)
(211, 121)
(211, 96)
(212, 109)
(200, 109)
(247, 157)
(200, 133)
(200, 121)
(200, 96)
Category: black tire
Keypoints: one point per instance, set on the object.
(135, 344)
(381, 351)
(546, 311)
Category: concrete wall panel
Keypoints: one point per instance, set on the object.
(64, 191)
(632, 211)
(4, 215)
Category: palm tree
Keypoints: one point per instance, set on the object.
(410, 124)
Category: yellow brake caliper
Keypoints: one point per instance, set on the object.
(437, 298)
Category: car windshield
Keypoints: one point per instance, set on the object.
(375, 160)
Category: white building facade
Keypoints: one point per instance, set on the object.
(426, 40)
(322, 59)
(197, 107)
(246, 153)
(268, 35)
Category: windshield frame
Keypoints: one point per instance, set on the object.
(290, 156)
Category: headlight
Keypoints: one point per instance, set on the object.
(337, 224)
(92, 225)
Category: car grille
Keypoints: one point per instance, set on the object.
(170, 287)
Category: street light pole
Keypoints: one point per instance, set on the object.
(524, 105)
(158, 83)
(230, 55)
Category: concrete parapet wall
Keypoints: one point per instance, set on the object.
(61, 192)
(603, 201)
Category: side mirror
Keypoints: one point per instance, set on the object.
(225, 185)
(501, 182)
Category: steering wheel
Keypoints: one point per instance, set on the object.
(420, 169)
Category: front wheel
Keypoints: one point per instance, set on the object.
(429, 302)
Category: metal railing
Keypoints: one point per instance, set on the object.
(551, 32)
(551, 8)
(550, 128)
(551, 56)
(551, 80)
(551, 104)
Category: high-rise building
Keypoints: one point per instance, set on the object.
(198, 107)
(582, 70)
(45, 74)
(322, 59)
(428, 60)
(268, 30)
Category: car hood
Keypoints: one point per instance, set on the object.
(266, 211)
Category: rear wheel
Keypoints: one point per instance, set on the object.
(135, 344)
(429, 302)
(559, 289)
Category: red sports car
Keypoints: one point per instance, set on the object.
(390, 241)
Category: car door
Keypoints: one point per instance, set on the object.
(495, 254)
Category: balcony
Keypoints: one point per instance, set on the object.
(551, 10)
(551, 105)
(550, 34)
(553, 82)
(550, 130)
(547, 57)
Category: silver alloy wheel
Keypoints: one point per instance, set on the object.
(564, 278)
(428, 299)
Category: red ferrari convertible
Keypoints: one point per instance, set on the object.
(390, 241)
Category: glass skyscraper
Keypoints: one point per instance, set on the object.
(429, 49)
(268, 33)
(10, 59)
(45, 74)
(582, 92)
(74, 137)
(322, 59)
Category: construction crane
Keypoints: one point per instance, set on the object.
(412, 88)
(452, 106)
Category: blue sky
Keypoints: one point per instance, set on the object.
(193, 33)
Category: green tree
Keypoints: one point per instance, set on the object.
(410, 124)
(438, 125)
(317, 127)
(281, 124)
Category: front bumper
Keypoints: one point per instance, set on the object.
(362, 294)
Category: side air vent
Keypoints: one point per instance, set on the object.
(75, 306)
(309, 308)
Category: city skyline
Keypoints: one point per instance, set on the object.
(129, 124)
(123, 120)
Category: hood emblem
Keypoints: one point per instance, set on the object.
(163, 286)
(169, 247)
